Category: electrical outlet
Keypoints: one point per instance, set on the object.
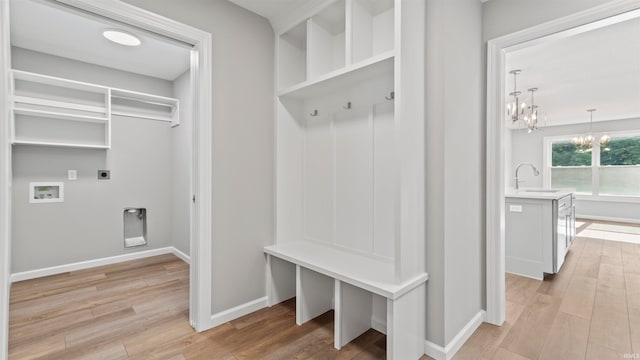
(104, 174)
(72, 174)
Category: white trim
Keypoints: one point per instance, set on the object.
(434, 350)
(379, 325)
(606, 218)
(5, 178)
(445, 353)
(82, 265)
(238, 311)
(182, 256)
(496, 50)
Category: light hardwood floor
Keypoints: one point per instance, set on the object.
(590, 310)
(139, 310)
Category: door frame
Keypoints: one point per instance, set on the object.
(200, 314)
(496, 177)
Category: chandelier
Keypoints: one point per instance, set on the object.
(515, 108)
(585, 143)
(530, 118)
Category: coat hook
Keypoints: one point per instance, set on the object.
(348, 106)
(314, 113)
(391, 96)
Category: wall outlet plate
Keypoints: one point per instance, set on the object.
(72, 174)
(104, 174)
(515, 208)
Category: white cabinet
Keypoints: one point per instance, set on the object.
(350, 168)
(538, 234)
(51, 111)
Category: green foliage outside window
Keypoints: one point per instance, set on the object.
(566, 154)
(621, 151)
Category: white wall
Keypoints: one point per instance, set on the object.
(243, 142)
(455, 221)
(89, 223)
(181, 165)
(529, 148)
(27, 60)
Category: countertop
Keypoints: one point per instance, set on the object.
(537, 193)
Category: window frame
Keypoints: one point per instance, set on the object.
(595, 166)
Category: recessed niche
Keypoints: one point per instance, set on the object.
(373, 28)
(46, 192)
(292, 56)
(326, 32)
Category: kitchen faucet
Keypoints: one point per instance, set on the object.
(535, 171)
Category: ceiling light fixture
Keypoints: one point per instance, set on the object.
(530, 119)
(515, 109)
(585, 143)
(121, 37)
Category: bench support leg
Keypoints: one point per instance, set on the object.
(406, 325)
(353, 313)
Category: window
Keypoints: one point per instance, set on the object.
(619, 170)
(609, 170)
(570, 168)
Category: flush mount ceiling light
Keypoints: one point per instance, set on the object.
(121, 37)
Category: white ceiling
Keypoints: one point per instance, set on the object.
(594, 69)
(267, 8)
(44, 27)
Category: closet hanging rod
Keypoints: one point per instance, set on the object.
(142, 101)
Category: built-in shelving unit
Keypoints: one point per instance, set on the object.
(350, 170)
(52, 111)
(146, 106)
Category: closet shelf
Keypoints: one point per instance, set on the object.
(49, 111)
(59, 116)
(59, 82)
(144, 98)
(58, 104)
(54, 144)
(348, 76)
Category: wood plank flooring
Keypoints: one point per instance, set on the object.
(590, 310)
(139, 310)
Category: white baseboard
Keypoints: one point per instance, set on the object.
(238, 311)
(184, 257)
(607, 218)
(54, 270)
(446, 353)
(379, 325)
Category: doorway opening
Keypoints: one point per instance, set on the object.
(88, 103)
(500, 167)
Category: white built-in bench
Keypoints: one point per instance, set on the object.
(326, 277)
